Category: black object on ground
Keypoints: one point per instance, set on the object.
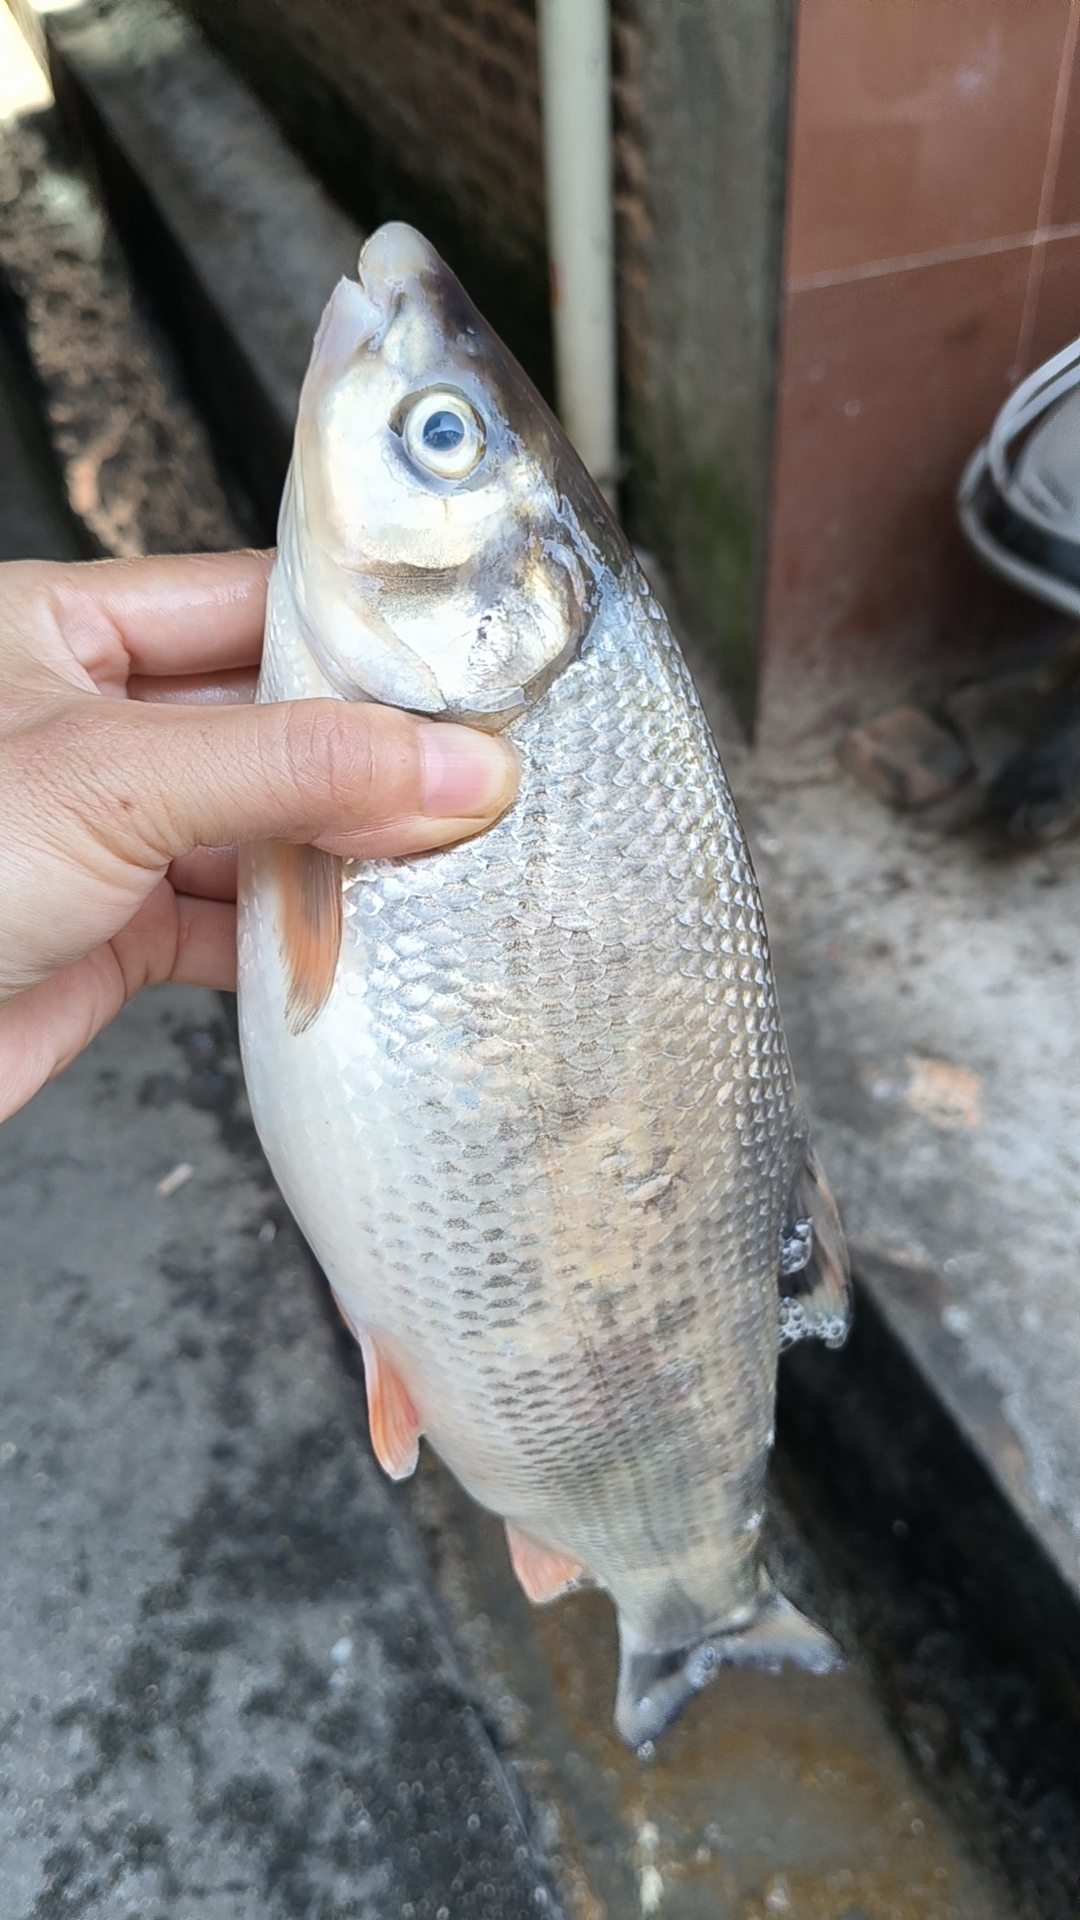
(1036, 795)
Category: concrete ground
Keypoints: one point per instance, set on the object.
(225, 1690)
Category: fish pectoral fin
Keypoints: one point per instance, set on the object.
(544, 1572)
(654, 1687)
(392, 1419)
(815, 1283)
(309, 928)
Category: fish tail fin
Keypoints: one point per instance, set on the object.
(815, 1273)
(654, 1687)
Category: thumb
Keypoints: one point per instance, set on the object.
(154, 782)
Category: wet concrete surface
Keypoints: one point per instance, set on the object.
(225, 1690)
(773, 1794)
(971, 1638)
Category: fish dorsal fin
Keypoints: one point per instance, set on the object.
(815, 1289)
(544, 1572)
(392, 1419)
(309, 925)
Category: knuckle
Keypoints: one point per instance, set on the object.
(344, 754)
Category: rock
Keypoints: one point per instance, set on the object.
(907, 758)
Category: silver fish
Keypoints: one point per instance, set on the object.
(529, 1097)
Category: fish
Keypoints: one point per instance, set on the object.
(528, 1096)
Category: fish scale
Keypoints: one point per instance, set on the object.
(628, 1010)
(543, 1135)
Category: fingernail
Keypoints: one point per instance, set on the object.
(467, 775)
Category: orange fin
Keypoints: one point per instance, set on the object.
(392, 1418)
(544, 1572)
(309, 885)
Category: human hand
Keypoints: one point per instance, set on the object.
(132, 762)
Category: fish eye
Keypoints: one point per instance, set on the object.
(444, 435)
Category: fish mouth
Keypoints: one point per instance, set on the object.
(393, 254)
(394, 257)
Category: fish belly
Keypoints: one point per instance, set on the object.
(542, 1133)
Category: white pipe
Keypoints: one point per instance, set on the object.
(575, 78)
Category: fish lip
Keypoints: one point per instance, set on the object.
(390, 258)
(396, 252)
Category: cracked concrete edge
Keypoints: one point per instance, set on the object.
(235, 242)
(912, 1299)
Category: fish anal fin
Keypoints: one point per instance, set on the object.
(393, 1421)
(815, 1286)
(544, 1572)
(309, 928)
(655, 1686)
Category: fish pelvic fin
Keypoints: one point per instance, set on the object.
(815, 1273)
(393, 1421)
(654, 1687)
(544, 1572)
(310, 920)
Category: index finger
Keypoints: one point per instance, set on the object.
(171, 614)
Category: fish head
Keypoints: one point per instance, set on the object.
(444, 546)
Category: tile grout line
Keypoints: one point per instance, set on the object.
(934, 257)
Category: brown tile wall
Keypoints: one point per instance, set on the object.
(932, 258)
